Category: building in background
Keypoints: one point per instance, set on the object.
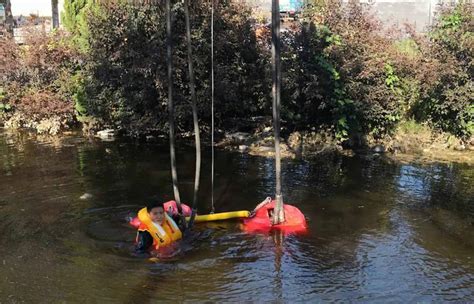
(32, 15)
(2, 13)
(418, 13)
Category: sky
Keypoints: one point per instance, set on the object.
(26, 7)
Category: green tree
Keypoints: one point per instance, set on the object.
(448, 73)
(73, 13)
(74, 16)
(125, 69)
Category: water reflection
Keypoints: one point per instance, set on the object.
(379, 231)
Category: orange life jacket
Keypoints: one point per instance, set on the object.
(164, 234)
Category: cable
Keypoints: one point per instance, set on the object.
(212, 106)
(174, 173)
(195, 114)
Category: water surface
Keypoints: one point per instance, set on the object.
(379, 231)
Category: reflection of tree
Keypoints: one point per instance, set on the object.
(123, 174)
(448, 205)
(12, 145)
(345, 198)
(6, 161)
(38, 187)
(451, 188)
(438, 202)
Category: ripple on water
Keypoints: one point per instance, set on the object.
(372, 236)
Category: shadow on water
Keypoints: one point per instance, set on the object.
(378, 230)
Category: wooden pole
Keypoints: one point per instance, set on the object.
(278, 214)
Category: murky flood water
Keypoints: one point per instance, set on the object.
(379, 231)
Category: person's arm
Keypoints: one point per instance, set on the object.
(144, 241)
(178, 219)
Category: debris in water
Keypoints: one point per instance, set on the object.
(85, 196)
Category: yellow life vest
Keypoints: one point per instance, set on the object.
(164, 234)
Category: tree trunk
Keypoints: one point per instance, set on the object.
(8, 17)
(55, 12)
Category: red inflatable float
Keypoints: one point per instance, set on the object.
(261, 221)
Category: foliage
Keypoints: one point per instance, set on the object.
(9, 60)
(125, 75)
(312, 91)
(75, 21)
(35, 75)
(4, 107)
(338, 74)
(73, 12)
(447, 74)
(122, 65)
(340, 70)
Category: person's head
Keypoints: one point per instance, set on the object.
(156, 212)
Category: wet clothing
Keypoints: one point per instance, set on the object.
(144, 242)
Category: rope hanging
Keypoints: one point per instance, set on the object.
(169, 58)
(278, 215)
(195, 114)
(212, 106)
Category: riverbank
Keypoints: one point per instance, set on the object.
(410, 142)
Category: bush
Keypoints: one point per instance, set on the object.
(448, 89)
(370, 81)
(338, 73)
(74, 18)
(125, 75)
(36, 77)
(310, 79)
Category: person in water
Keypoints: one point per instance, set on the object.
(157, 228)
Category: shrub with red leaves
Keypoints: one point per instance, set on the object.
(35, 76)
